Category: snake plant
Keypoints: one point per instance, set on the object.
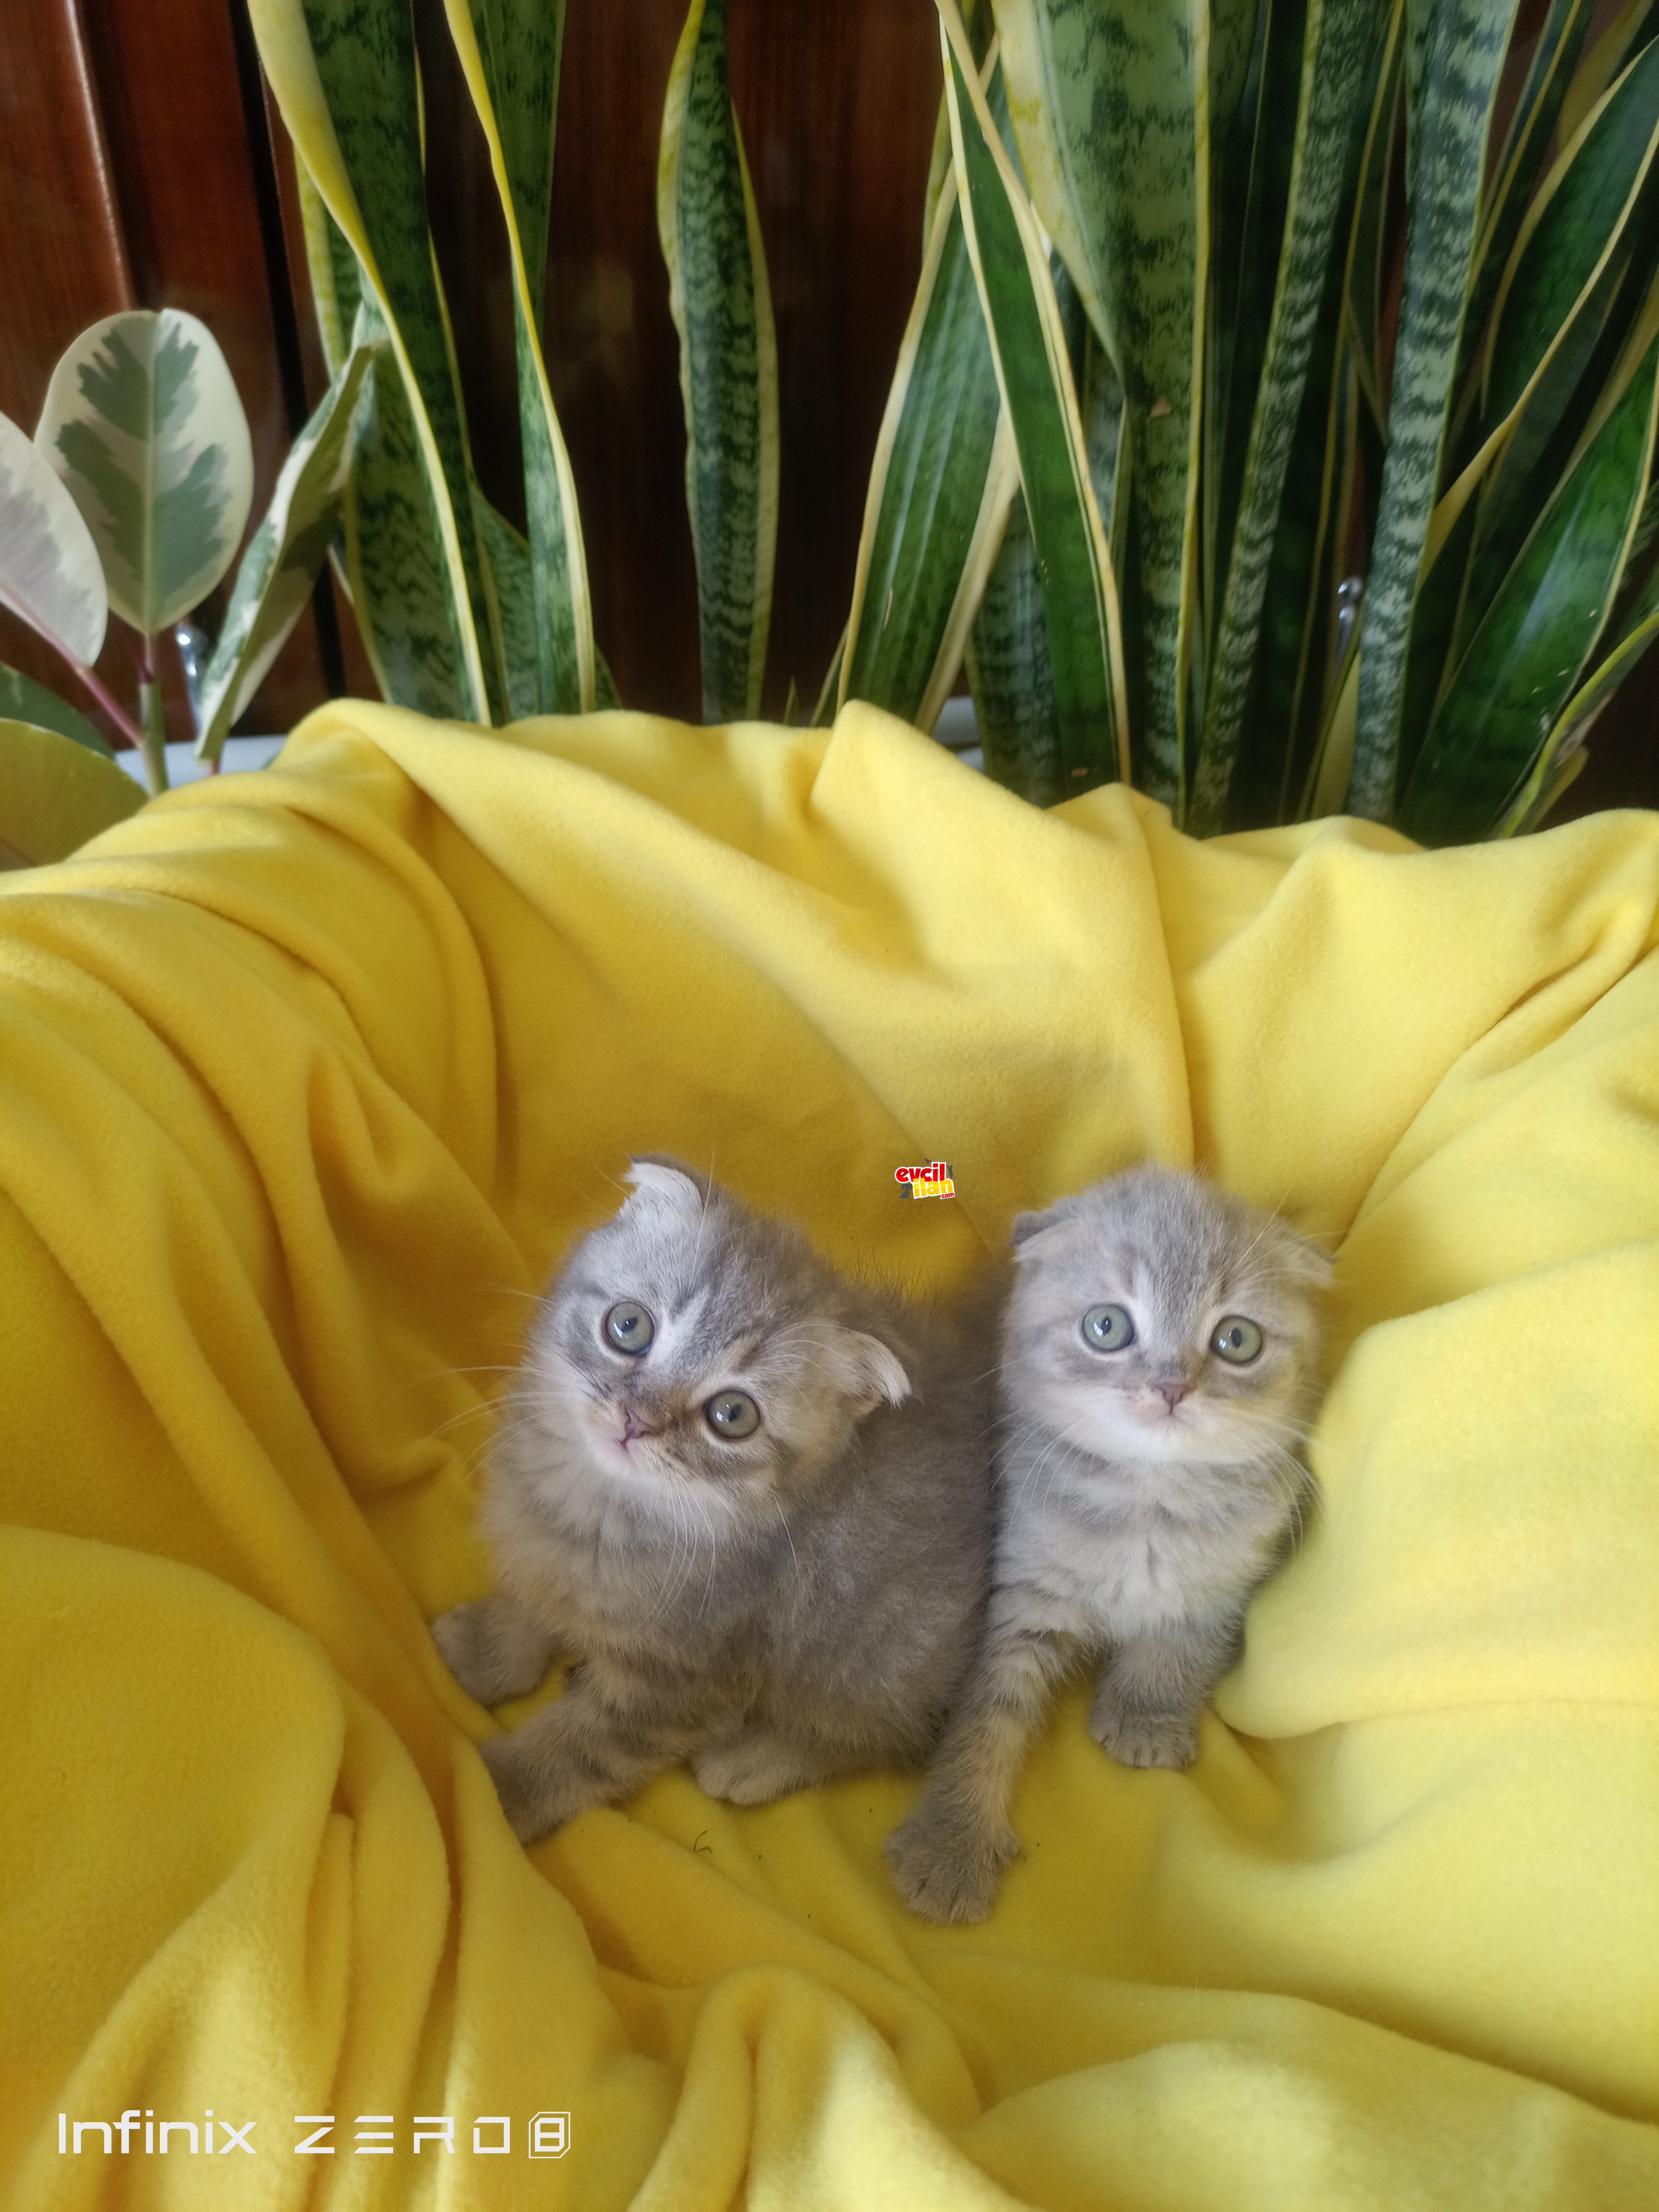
(1271, 427)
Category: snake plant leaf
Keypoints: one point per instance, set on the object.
(1532, 125)
(343, 73)
(1010, 669)
(284, 557)
(721, 304)
(509, 54)
(55, 793)
(1340, 36)
(397, 573)
(939, 492)
(1009, 255)
(142, 423)
(1640, 631)
(511, 572)
(1455, 57)
(1011, 673)
(1363, 283)
(49, 573)
(337, 279)
(1525, 660)
(1624, 33)
(1110, 101)
(23, 700)
(1582, 212)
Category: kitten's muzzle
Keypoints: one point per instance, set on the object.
(1172, 1393)
(633, 1426)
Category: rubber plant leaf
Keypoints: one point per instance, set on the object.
(143, 422)
(938, 494)
(49, 573)
(1454, 58)
(343, 73)
(54, 794)
(1338, 53)
(1109, 100)
(1009, 255)
(284, 557)
(23, 700)
(509, 54)
(721, 304)
(1525, 660)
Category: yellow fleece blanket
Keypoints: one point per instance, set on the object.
(308, 1079)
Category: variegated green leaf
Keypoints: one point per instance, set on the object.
(344, 76)
(1581, 218)
(1110, 102)
(1455, 59)
(23, 700)
(939, 496)
(54, 794)
(721, 304)
(142, 423)
(1012, 674)
(1640, 631)
(513, 574)
(509, 52)
(397, 570)
(49, 573)
(1554, 57)
(1524, 662)
(1623, 35)
(284, 556)
(1338, 55)
(1361, 293)
(1010, 259)
(336, 281)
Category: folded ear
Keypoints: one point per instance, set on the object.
(866, 1369)
(665, 1182)
(1029, 1226)
(1309, 1263)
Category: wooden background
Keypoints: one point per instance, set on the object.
(141, 164)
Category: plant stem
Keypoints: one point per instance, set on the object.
(118, 713)
(150, 714)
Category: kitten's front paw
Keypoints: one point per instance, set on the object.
(1145, 1738)
(531, 1806)
(946, 1870)
(492, 1650)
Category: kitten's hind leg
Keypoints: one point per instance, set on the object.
(948, 1858)
(1153, 1687)
(758, 1763)
(494, 1648)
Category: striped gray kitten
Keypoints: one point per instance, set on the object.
(753, 1498)
(1160, 1366)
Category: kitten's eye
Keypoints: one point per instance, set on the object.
(629, 1328)
(730, 1413)
(1108, 1329)
(1236, 1340)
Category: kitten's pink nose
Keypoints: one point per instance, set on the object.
(1172, 1393)
(633, 1426)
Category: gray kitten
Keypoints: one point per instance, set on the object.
(1159, 1355)
(754, 1499)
